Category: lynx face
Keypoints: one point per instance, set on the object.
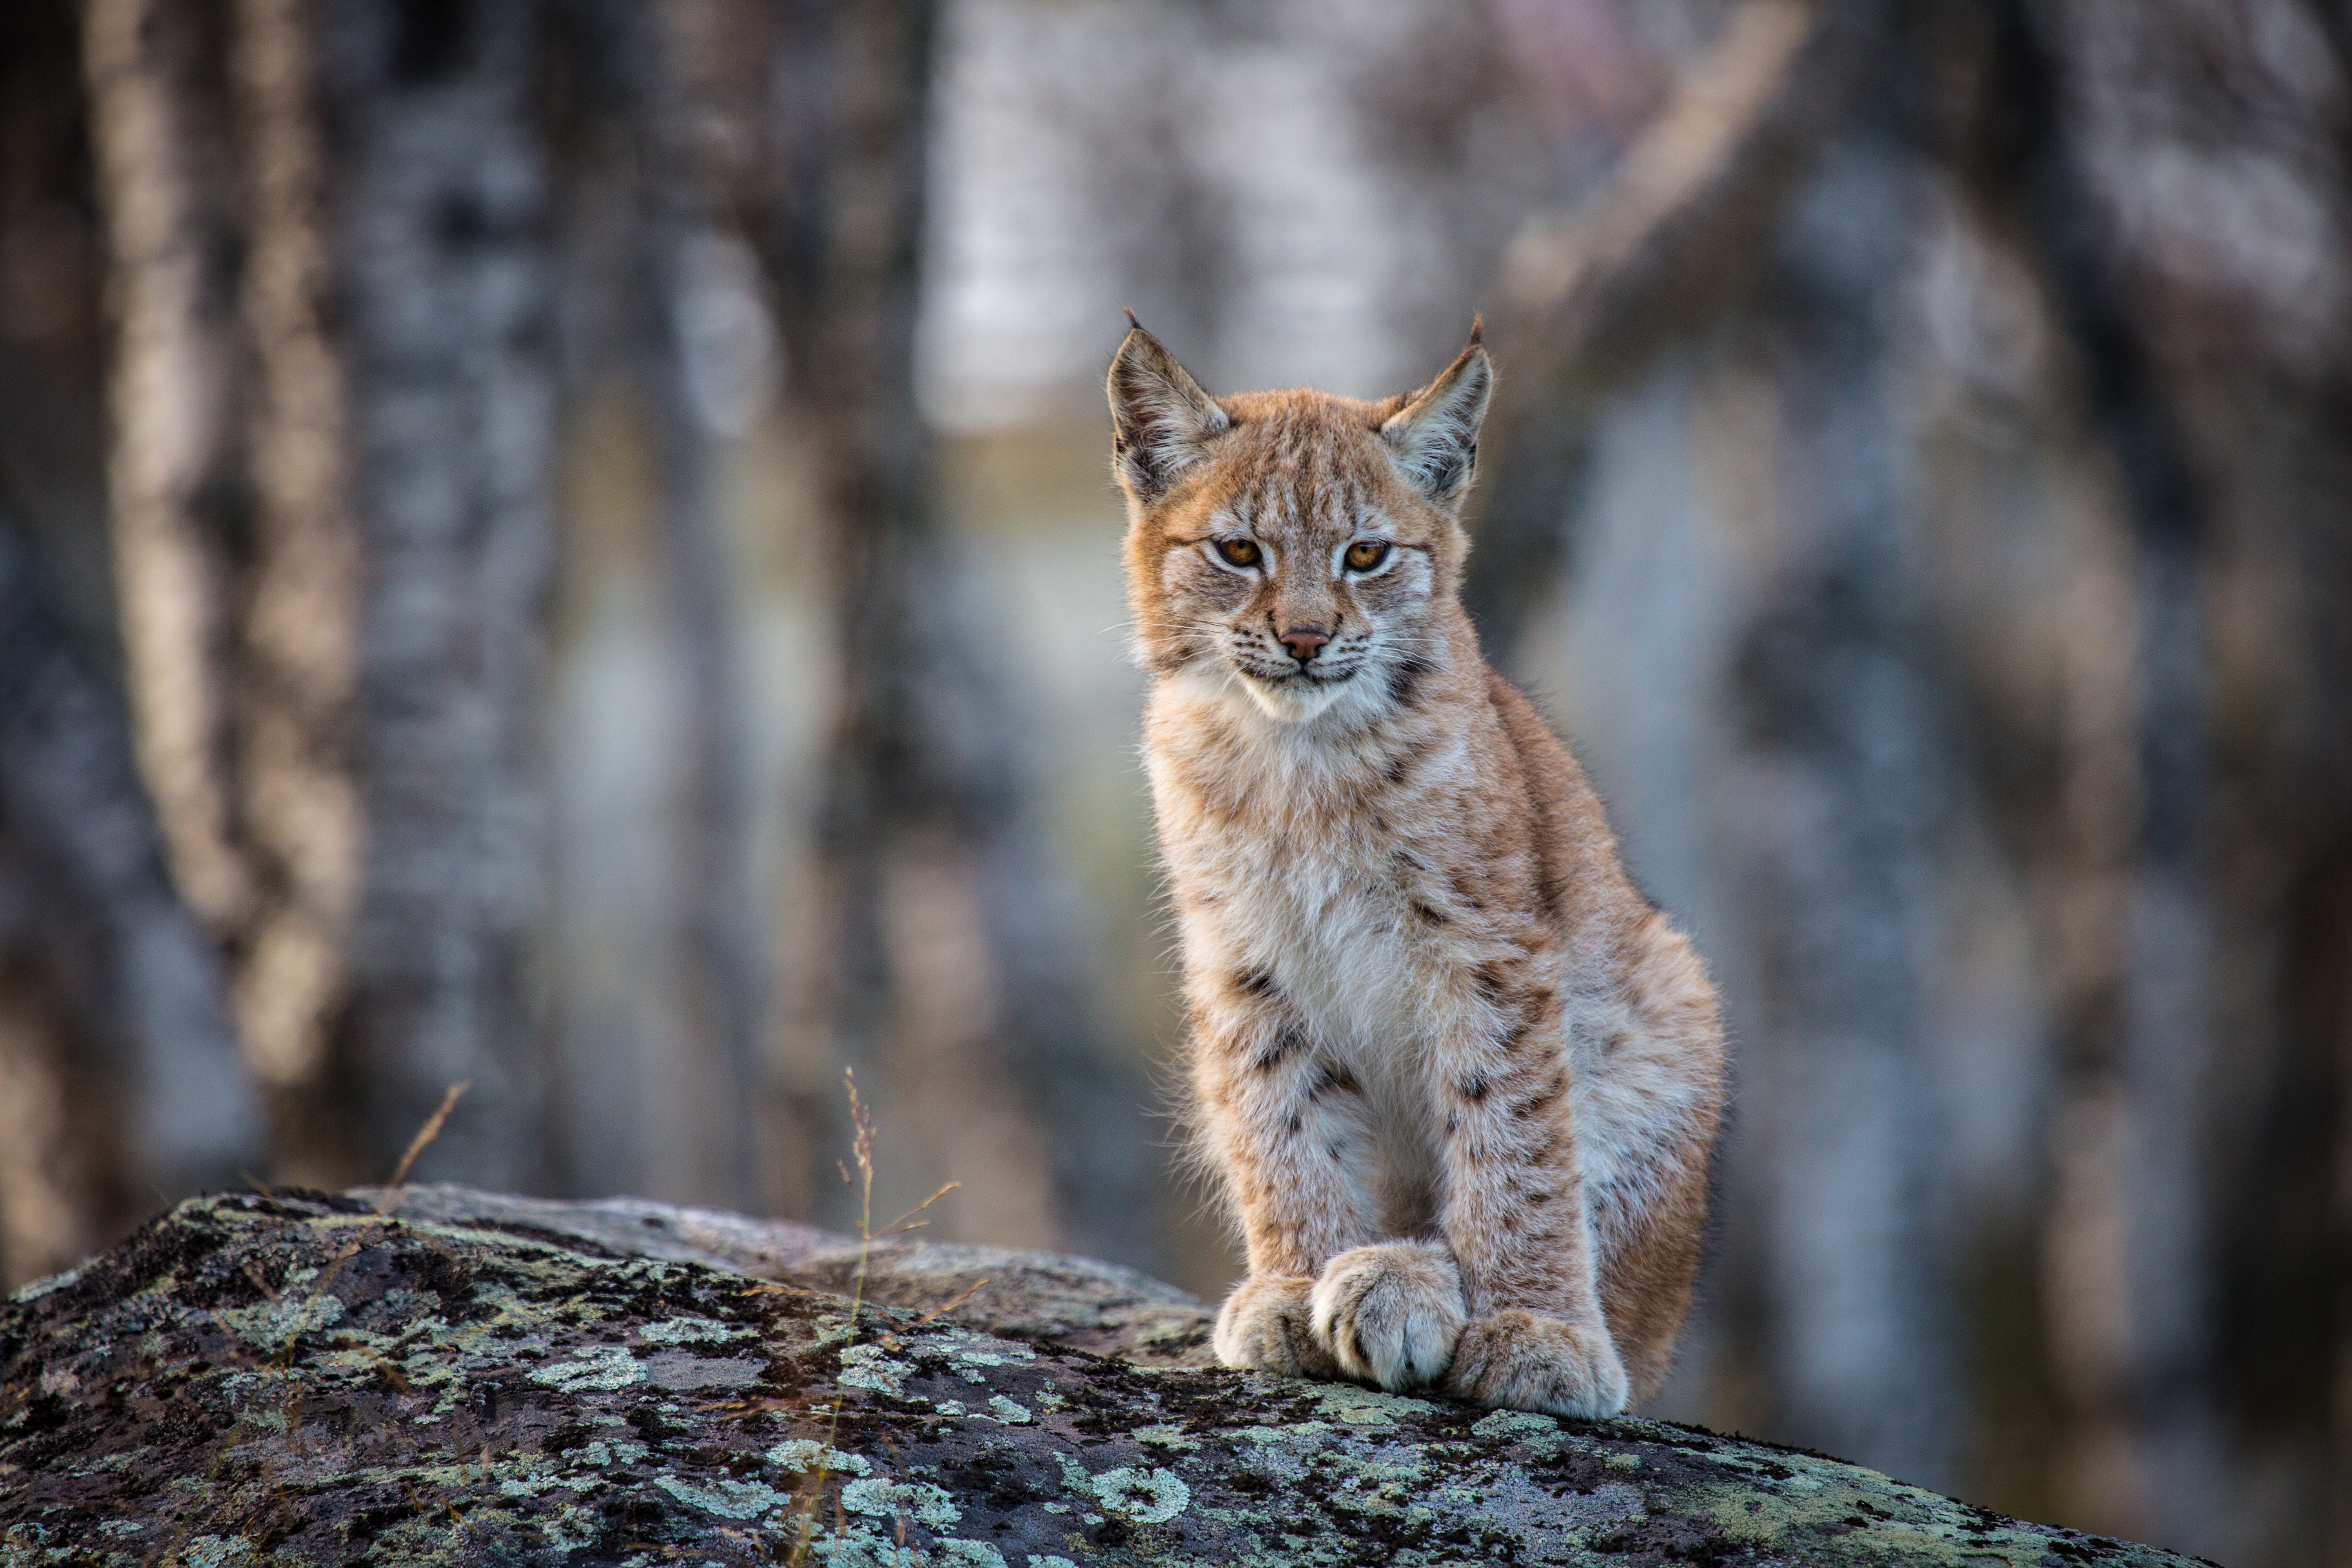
(1293, 544)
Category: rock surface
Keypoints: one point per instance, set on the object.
(298, 1378)
(1076, 1302)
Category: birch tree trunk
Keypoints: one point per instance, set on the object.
(1594, 297)
(711, 369)
(2204, 1106)
(166, 171)
(400, 314)
(950, 978)
(439, 197)
(119, 1075)
(301, 619)
(1839, 782)
(110, 996)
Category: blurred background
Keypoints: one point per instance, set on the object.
(565, 545)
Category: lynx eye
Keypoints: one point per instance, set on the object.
(1238, 551)
(1366, 553)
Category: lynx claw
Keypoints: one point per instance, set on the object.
(1266, 1325)
(1390, 1313)
(1523, 1360)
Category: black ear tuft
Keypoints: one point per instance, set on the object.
(1161, 420)
(1434, 436)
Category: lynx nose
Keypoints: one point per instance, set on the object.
(1303, 641)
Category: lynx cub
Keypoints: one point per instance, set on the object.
(1459, 1078)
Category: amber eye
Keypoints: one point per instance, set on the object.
(1366, 553)
(1238, 551)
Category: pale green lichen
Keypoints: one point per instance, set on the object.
(272, 1325)
(28, 1294)
(803, 1455)
(967, 1554)
(575, 1526)
(965, 1344)
(1515, 1426)
(927, 1504)
(602, 1367)
(692, 1332)
(1142, 1497)
(1075, 1477)
(1006, 1411)
(215, 1552)
(727, 1498)
(860, 1548)
(1359, 1406)
(871, 1367)
(1282, 1436)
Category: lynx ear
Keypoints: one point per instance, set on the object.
(1434, 436)
(1160, 418)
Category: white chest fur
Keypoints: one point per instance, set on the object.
(1324, 908)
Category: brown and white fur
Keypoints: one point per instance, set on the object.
(1460, 1080)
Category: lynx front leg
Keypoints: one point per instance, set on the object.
(1291, 1154)
(1515, 1217)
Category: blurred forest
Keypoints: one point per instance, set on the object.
(565, 545)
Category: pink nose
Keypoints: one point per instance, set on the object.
(1303, 641)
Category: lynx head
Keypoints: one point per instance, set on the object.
(1303, 547)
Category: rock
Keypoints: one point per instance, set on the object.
(1074, 1302)
(296, 1378)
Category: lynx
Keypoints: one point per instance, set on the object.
(1459, 1082)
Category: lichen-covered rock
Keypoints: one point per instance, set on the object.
(297, 1379)
(1075, 1302)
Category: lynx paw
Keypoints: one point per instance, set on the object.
(1264, 1325)
(1390, 1313)
(1522, 1361)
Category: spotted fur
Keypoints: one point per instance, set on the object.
(1458, 1079)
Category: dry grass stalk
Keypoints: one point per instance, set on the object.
(862, 1151)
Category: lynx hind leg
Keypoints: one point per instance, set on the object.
(1648, 1263)
(1266, 1325)
(1390, 1313)
(1524, 1361)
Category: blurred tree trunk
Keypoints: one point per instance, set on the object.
(119, 1072)
(437, 184)
(1588, 299)
(159, 116)
(710, 375)
(119, 1075)
(1841, 776)
(299, 625)
(2141, 1143)
(951, 971)
(379, 680)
